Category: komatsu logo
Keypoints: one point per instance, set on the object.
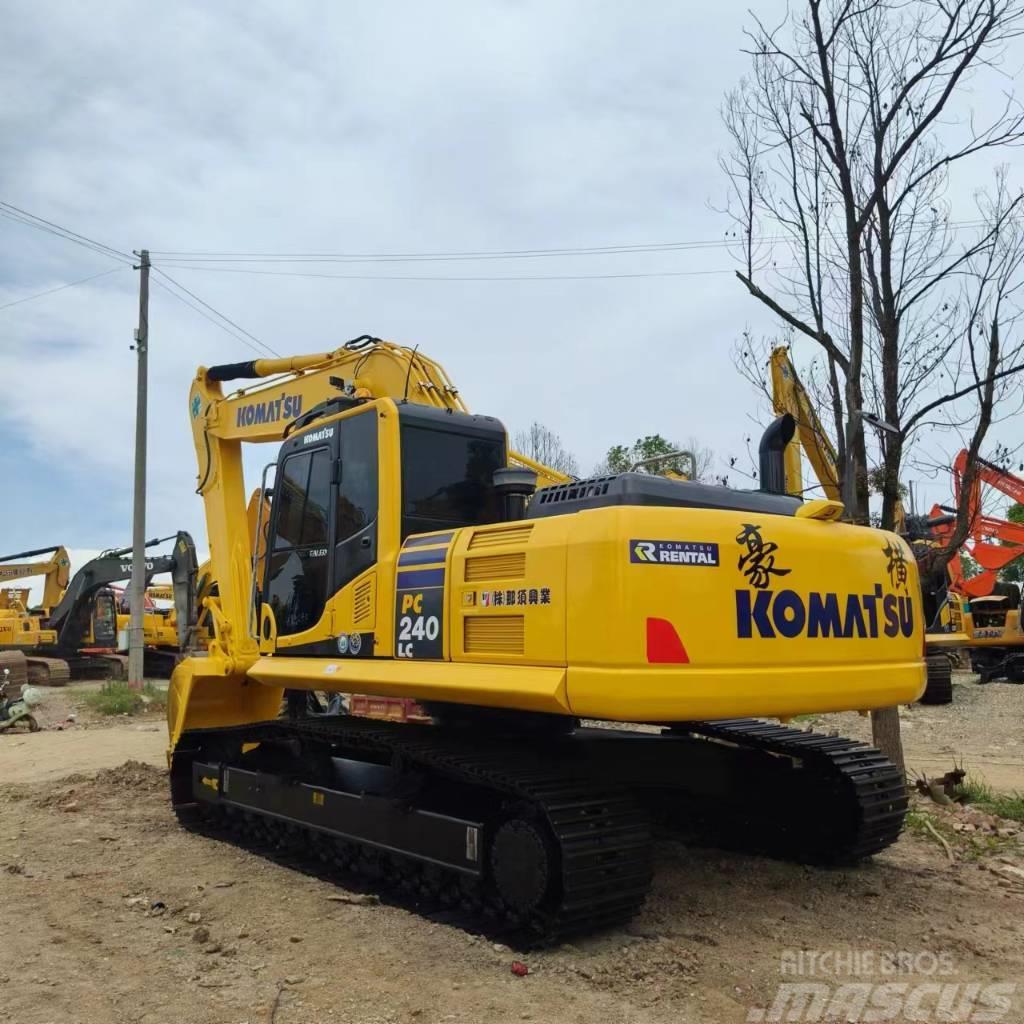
(318, 435)
(769, 613)
(287, 407)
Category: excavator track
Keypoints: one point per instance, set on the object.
(556, 854)
(564, 843)
(860, 796)
(48, 671)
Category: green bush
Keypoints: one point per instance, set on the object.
(117, 698)
(981, 795)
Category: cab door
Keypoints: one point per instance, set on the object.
(323, 531)
(298, 565)
(104, 619)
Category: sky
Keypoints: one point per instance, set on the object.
(361, 128)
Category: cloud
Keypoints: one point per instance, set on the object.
(357, 127)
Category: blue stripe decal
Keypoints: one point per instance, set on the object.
(425, 557)
(434, 538)
(417, 578)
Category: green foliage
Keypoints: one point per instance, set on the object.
(876, 483)
(116, 698)
(981, 795)
(1014, 572)
(969, 566)
(621, 459)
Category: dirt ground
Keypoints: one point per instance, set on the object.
(110, 913)
(982, 728)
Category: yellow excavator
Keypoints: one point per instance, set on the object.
(409, 553)
(24, 629)
(20, 627)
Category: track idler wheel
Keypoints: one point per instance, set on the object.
(523, 866)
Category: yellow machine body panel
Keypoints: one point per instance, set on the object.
(991, 622)
(23, 630)
(641, 614)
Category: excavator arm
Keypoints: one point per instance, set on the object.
(55, 570)
(790, 396)
(992, 542)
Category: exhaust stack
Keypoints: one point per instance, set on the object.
(515, 487)
(771, 454)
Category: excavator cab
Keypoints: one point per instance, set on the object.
(104, 619)
(348, 494)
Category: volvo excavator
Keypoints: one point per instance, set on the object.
(81, 630)
(410, 554)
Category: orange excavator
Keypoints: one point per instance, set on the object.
(983, 607)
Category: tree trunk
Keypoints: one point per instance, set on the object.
(885, 734)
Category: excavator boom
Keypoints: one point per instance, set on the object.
(55, 569)
(790, 396)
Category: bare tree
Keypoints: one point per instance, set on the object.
(847, 142)
(544, 445)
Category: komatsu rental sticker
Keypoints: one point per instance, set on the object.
(673, 552)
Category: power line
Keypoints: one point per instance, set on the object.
(630, 248)
(222, 321)
(32, 220)
(440, 277)
(60, 288)
(202, 312)
(20, 216)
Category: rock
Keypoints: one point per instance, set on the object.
(1008, 872)
(212, 947)
(201, 935)
(242, 934)
(70, 807)
(357, 899)
(194, 917)
(499, 948)
(294, 938)
(294, 979)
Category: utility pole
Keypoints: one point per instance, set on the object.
(137, 589)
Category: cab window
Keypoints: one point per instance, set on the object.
(298, 566)
(355, 519)
(447, 479)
